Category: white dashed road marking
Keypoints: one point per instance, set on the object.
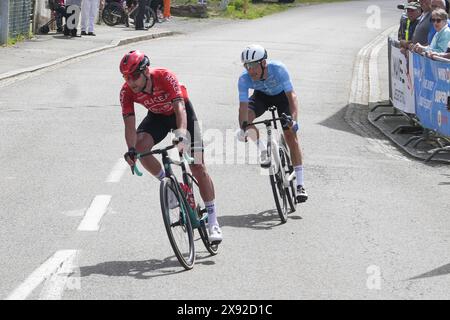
(118, 171)
(45, 271)
(94, 214)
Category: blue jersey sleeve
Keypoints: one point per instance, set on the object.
(284, 78)
(243, 87)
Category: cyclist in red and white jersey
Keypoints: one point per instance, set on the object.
(169, 108)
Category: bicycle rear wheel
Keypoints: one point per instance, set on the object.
(279, 194)
(177, 223)
(200, 210)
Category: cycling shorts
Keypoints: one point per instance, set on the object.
(159, 125)
(260, 102)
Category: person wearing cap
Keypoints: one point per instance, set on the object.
(440, 41)
(408, 21)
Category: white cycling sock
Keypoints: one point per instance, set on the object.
(161, 175)
(299, 175)
(212, 217)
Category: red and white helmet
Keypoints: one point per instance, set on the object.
(253, 53)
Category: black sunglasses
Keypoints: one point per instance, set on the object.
(437, 20)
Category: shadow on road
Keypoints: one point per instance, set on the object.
(264, 220)
(337, 122)
(143, 270)
(441, 271)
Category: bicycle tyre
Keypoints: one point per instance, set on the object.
(213, 249)
(113, 14)
(200, 207)
(186, 256)
(149, 18)
(279, 193)
(288, 169)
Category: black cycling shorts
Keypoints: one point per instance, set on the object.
(260, 102)
(158, 126)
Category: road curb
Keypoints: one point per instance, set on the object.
(21, 74)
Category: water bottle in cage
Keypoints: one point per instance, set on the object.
(189, 194)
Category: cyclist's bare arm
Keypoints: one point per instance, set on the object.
(293, 104)
(130, 131)
(180, 115)
(243, 112)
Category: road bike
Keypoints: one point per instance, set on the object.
(281, 170)
(182, 207)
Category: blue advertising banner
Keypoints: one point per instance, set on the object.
(432, 89)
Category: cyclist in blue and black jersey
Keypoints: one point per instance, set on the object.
(271, 86)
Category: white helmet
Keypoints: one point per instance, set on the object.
(252, 53)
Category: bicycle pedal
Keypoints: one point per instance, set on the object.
(266, 165)
(214, 243)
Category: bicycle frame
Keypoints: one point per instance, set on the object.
(167, 164)
(274, 141)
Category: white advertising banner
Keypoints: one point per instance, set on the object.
(402, 85)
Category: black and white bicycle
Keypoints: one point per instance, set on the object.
(281, 170)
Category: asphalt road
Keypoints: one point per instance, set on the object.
(371, 211)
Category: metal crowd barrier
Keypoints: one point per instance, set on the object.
(401, 69)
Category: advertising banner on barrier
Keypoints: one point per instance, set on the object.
(402, 86)
(432, 90)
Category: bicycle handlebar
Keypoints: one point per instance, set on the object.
(183, 155)
(284, 117)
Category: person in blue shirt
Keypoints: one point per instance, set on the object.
(440, 40)
(271, 86)
(437, 4)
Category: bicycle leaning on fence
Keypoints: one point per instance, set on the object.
(281, 170)
(182, 207)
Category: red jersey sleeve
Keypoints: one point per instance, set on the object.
(126, 100)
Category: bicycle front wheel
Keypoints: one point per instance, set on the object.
(279, 194)
(177, 223)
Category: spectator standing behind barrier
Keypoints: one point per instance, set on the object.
(139, 20)
(89, 10)
(68, 30)
(441, 38)
(436, 4)
(445, 55)
(156, 5)
(60, 12)
(423, 26)
(409, 20)
(166, 12)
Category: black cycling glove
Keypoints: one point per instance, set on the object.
(130, 154)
